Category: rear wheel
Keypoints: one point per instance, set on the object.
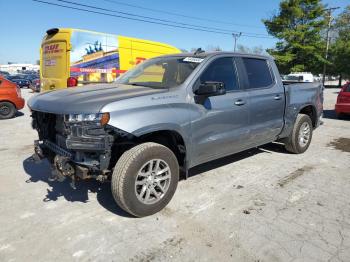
(300, 138)
(7, 110)
(145, 179)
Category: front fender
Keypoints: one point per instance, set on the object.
(141, 121)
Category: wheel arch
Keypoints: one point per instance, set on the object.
(310, 110)
(170, 138)
(8, 101)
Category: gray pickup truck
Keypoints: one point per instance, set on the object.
(168, 114)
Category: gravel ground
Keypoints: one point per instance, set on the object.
(260, 205)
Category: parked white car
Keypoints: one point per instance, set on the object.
(300, 77)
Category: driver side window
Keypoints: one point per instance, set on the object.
(221, 70)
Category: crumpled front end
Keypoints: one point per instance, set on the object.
(77, 146)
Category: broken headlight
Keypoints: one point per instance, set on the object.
(99, 118)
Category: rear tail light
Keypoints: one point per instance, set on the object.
(72, 82)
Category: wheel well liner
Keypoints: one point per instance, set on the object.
(169, 138)
(311, 112)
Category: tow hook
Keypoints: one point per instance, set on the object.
(61, 169)
(56, 175)
(63, 165)
(72, 183)
(38, 152)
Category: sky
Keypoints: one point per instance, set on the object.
(23, 23)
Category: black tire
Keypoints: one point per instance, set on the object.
(7, 110)
(340, 116)
(126, 171)
(292, 143)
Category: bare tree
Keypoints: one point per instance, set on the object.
(213, 48)
(253, 50)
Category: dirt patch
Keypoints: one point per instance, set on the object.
(341, 143)
(295, 174)
(160, 253)
(27, 147)
(167, 212)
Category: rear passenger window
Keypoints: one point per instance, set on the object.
(258, 71)
(221, 70)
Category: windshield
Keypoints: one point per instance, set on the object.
(163, 72)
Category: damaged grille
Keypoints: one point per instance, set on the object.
(86, 143)
(62, 131)
(51, 127)
(45, 124)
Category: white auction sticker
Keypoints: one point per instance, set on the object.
(193, 59)
(50, 62)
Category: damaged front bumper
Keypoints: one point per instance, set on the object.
(73, 164)
(78, 150)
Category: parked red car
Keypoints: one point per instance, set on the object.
(343, 101)
(10, 98)
(35, 85)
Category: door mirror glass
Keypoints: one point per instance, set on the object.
(211, 88)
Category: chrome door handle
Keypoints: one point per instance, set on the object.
(239, 102)
(277, 97)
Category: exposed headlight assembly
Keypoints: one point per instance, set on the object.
(101, 118)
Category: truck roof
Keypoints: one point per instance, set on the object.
(214, 53)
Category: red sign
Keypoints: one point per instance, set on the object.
(96, 70)
(52, 49)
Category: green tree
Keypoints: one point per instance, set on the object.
(298, 25)
(254, 50)
(340, 48)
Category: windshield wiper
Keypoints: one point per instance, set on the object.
(134, 84)
(146, 85)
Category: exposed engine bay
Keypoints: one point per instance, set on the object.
(77, 147)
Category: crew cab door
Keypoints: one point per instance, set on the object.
(266, 100)
(219, 124)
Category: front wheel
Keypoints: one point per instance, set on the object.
(145, 179)
(7, 110)
(300, 138)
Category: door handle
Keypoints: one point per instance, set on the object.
(239, 102)
(277, 97)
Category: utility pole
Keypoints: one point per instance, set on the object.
(330, 19)
(236, 36)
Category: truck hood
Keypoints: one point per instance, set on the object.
(87, 99)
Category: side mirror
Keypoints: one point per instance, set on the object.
(210, 88)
